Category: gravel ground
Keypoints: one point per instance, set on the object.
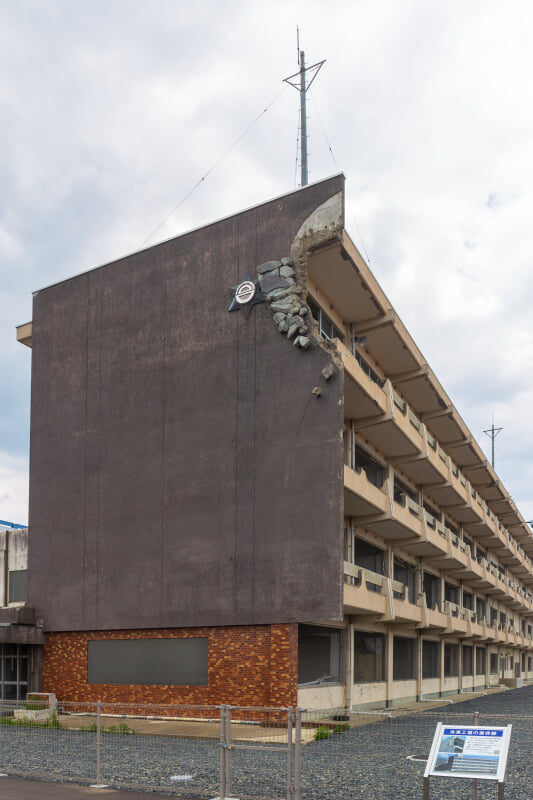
(367, 762)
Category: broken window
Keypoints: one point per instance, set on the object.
(319, 654)
(369, 657)
(326, 327)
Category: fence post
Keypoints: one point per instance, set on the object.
(298, 756)
(98, 743)
(222, 761)
(290, 723)
(227, 750)
(476, 722)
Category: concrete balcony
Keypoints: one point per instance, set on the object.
(500, 587)
(455, 558)
(383, 599)
(512, 555)
(432, 543)
(458, 622)
(453, 490)
(361, 497)
(430, 466)
(467, 511)
(402, 520)
(487, 529)
(363, 397)
(482, 578)
(371, 594)
(392, 432)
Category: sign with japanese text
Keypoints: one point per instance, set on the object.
(469, 751)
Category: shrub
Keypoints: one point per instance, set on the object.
(322, 732)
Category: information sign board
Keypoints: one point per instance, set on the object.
(469, 751)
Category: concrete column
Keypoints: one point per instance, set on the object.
(389, 562)
(441, 671)
(389, 664)
(419, 666)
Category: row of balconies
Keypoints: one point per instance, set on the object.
(407, 523)
(383, 418)
(385, 599)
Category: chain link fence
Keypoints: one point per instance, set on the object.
(251, 753)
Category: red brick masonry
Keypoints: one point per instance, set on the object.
(253, 665)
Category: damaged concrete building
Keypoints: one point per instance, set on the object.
(248, 486)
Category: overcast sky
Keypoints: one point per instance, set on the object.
(113, 110)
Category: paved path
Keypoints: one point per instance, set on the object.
(20, 789)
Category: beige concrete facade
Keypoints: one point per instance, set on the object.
(438, 575)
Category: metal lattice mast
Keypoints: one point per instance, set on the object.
(302, 86)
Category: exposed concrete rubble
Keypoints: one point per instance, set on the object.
(280, 287)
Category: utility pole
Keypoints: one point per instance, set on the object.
(303, 84)
(492, 433)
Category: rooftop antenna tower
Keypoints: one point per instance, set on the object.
(492, 433)
(304, 82)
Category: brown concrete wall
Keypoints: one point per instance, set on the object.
(181, 471)
(253, 665)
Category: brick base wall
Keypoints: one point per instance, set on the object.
(254, 665)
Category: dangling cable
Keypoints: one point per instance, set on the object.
(209, 171)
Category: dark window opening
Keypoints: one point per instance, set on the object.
(467, 659)
(369, 557)
(431, 589)
(451, 660)
(404, 655)
(430, 659)
(450, 592)
(406, 574)
(480, 660)
(375, 472)
(369, 657)
(319, 654)
(480, 609)
(401, 490)
(468, 601)
(14, 671)
(453, 528)
(431, 510)
(494, 663)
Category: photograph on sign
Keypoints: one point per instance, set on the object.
(469, 752)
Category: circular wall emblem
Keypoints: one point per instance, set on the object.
(244, 292)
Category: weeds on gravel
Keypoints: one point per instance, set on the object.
(26, 722)
(123, 728)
